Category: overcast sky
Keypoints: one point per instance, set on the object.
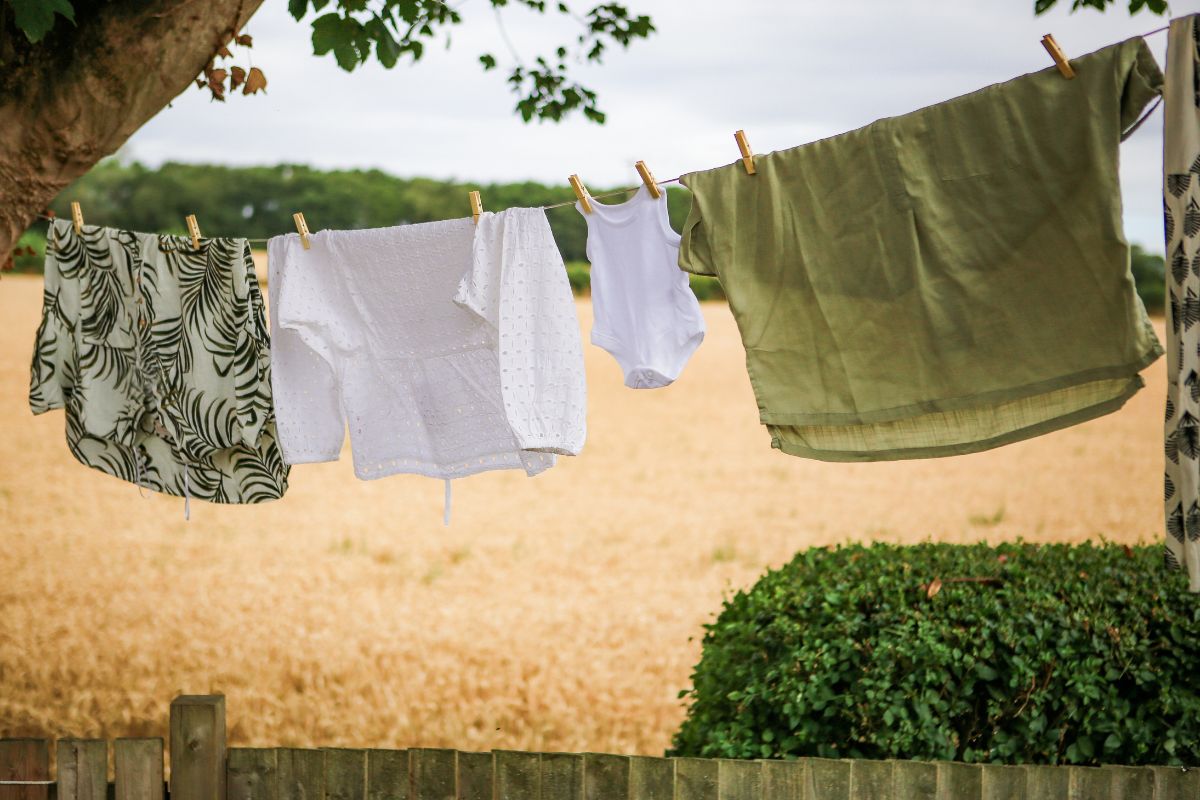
(787, 71)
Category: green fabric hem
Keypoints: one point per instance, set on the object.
(964, 448)
(959, 403)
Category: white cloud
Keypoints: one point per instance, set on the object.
(786, 71)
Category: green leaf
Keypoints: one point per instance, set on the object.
(297, 8)
(35, 18)
(488, 61)
(342, 35)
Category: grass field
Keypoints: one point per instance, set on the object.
(557, 613)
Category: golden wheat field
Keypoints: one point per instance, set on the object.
(562, 612)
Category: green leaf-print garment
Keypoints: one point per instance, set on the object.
(941, 282)
(160, 356)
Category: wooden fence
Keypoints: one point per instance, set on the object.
(202, 768)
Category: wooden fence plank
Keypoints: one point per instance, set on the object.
(562, 776)
(82, 769)
(138, 769)
(1130, 783)
(1176, 783)
(914, 780)
(696, 779)
(1088, 783)
(518, 775)
(475, 776)
(1004, 782)
(605, 777)
(433, 774)
(1046, 783)
(785, 780)
(345, 773)
(959, 781)
(24, 760)
(198, 747)
(651, 778)
(252, 774)
(829, 779)
(739, 780)
(387, 775)
(300, 774)
(871, 780)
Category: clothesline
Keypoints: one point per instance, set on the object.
(564, 204)
(617, 192)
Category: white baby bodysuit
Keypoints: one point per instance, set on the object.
(448, 348)
(646, 315)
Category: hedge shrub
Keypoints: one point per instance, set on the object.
(1049, 654)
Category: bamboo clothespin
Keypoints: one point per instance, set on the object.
(584, 199)
(648, 179)
(193, 230)
(301, 228)
(476, 207)
(747, 153)
(77, 216)
(1060, 60)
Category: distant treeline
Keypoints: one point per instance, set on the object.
(257, 202)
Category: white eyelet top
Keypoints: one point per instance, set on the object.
(448, 348)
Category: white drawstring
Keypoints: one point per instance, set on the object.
(446, 505)
(187, 497)
(137, 460)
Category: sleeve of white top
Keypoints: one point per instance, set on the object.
(308, 411)
(519, 284)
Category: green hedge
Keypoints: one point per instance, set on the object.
(1060, 654)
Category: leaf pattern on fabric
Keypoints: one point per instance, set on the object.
(1179, 264)
(1191, 219)
(142, 343)
(1168, 487)
(1191, 309)
(1175, 523)
(1169, 559)
(1178, 183)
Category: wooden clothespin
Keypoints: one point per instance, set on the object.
(747, 153)
(585, 200)
(476, 207)
(301, 228)
(193, 230)
(648, 179)
(1060, 60)
(77, 216)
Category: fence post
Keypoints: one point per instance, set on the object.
(198, 747)
(387, 775)
(605, 777)
(24, 760)
(139, 769)
(82, 769)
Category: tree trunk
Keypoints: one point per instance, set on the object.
(81, 92)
